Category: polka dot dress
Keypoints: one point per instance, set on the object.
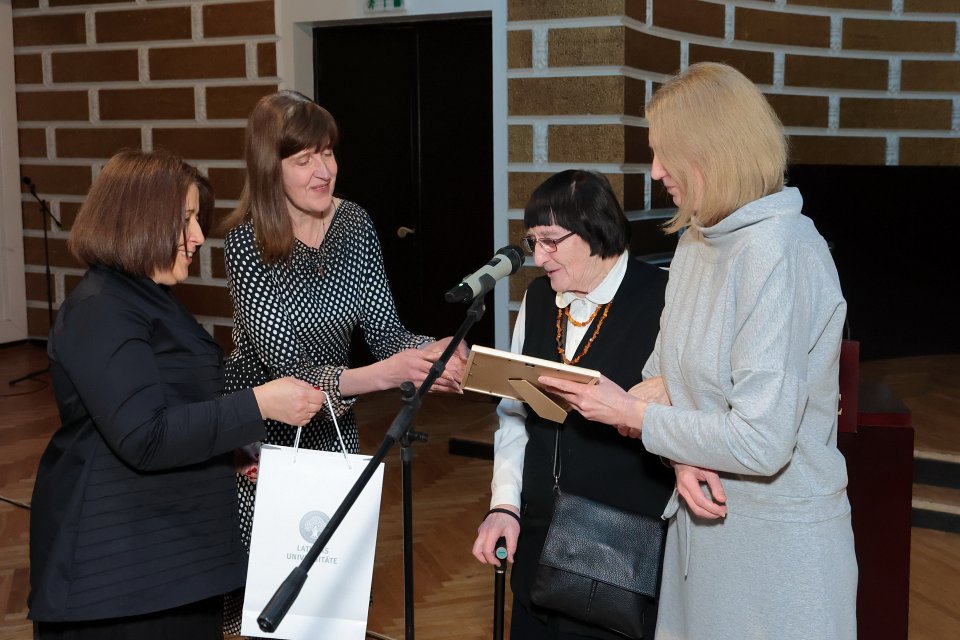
(295, 318)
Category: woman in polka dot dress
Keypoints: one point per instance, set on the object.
(304, 269)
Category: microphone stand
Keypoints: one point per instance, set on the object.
(44, 214)
(406, 468)
(283, 598)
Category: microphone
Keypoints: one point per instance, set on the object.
(506, 262)
(43, 203)
(32, 187)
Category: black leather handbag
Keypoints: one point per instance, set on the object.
(599, 564)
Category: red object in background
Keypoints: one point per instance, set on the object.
(878, 447)
(849, 405)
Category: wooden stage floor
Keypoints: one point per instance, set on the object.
(454, 593)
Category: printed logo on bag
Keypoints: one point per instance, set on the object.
(312, 524)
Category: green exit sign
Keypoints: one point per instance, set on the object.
(383, 5)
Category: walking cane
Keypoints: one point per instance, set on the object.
(499, 575)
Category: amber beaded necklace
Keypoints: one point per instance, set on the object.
(586, 322)
(593, 336)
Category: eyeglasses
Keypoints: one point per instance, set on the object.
(547, 244)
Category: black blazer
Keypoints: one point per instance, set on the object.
(135, 503)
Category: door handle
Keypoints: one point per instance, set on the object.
(403, 232)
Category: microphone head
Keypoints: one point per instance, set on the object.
(27, 181)
(515, 254)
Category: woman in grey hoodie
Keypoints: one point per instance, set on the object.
(741, 391)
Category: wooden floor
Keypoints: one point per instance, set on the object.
(454, 592)
(930, 387)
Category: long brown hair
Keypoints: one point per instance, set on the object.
(133, 217)
(281, 125)
(711, 119)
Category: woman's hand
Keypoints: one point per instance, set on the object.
(453, 372)
(603, 402)
(409, 364)
(651, 390)
(246, 461)
(495, 526)
(289, 400)
(414, 365)
(690, 489)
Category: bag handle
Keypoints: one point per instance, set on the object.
(336, 425)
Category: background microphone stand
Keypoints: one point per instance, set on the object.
(283, 598)
(44, 214)
(406, 474)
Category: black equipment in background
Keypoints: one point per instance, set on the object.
(44, 214)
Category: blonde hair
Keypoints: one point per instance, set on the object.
(712, 123)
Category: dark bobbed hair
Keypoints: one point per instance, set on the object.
(281, 124)
(582, 202)
(133, 217)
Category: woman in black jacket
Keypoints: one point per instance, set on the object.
(134, 530)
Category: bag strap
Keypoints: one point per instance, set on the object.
(336, 425)
(556, 443)
(556, 462)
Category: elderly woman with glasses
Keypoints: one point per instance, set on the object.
(597, 308)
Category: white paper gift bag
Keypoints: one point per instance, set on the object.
(298, 492)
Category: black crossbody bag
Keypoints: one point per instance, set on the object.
(599, 564)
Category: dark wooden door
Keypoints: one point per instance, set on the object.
(413, 102)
